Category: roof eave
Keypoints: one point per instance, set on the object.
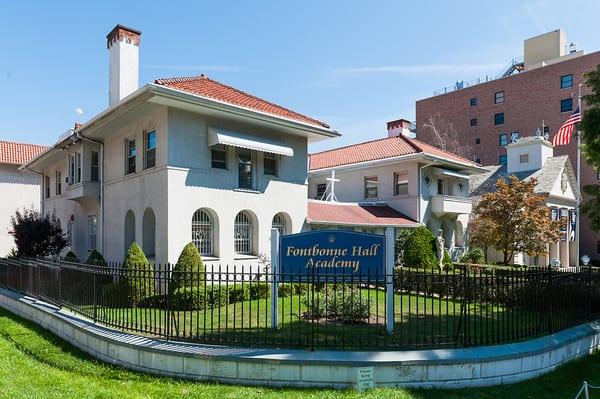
(331, 222)
(196, 99)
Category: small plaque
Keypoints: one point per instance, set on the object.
(365, 378)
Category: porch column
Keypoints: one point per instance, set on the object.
(553, 253)
(564, 253)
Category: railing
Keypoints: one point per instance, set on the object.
(462, 307)
(462, 84)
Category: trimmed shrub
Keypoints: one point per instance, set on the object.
(474, 256)
(216, 296)
(260, 291)
(187, 299)
(239, 293)
(188, 264)
(287, 289)
(138, 275)
(71, 257)
(284, 290)
(95, 258)
(419, 249)
(341, 302)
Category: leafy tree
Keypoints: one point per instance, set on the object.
(479, 234)
(95, 258)
(37, 235)
(189, 262)
(515, 219)
(419, 249)
(138, 279)
(590, 126)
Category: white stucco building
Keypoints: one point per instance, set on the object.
(18, 189)
(179, 160)
(533, 157)
(397, 181)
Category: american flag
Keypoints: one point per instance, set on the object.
(564, 134)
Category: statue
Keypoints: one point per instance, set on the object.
(439, 243)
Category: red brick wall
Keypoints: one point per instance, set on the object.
(529, 98)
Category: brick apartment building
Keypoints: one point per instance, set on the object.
(538, 93)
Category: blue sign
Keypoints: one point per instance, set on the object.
(332, 255)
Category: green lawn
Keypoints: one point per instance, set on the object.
(36, 364)
(419, 322)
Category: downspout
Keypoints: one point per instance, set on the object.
(101, 182)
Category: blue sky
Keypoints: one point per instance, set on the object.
(353, 64)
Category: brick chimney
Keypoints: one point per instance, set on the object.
(123, 72)
(400, 126)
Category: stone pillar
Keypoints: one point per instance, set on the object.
(553, 253)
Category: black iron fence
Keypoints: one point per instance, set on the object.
(460, 307)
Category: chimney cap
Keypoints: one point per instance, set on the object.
(120, 32)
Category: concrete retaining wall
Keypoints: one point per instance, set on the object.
(449, 368)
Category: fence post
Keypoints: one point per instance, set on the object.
(389, 278)
(274, 276)
(95, 288)
(590, 291)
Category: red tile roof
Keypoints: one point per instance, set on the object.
(355, 214)
(18, 153)
(389, 147)
(206, 87)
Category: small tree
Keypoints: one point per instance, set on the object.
(515, 219)
(480, 236)
(37, 235)
(95, 258)
(189, 262)
(419, 249)
(138, 279)
(590, 125)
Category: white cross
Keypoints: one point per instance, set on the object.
(330, 190)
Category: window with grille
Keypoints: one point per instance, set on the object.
(279, 224)
(202, 232)
(474, 122)
(243, 233)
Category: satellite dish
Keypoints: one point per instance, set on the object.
(538, 132)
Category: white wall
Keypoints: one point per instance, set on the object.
(146, 188)
(17, 190)
(351, 187)
(194, 184)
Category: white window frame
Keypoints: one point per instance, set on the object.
(398, 182)
(524, 158)
(371, 179)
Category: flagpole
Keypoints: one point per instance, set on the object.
(577, 241)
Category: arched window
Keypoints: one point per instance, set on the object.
(203, 232)
(280, 224)
(149, 233)
(243, 233)
(129, 229)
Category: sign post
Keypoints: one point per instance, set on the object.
(389, 278)
(274, 276)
